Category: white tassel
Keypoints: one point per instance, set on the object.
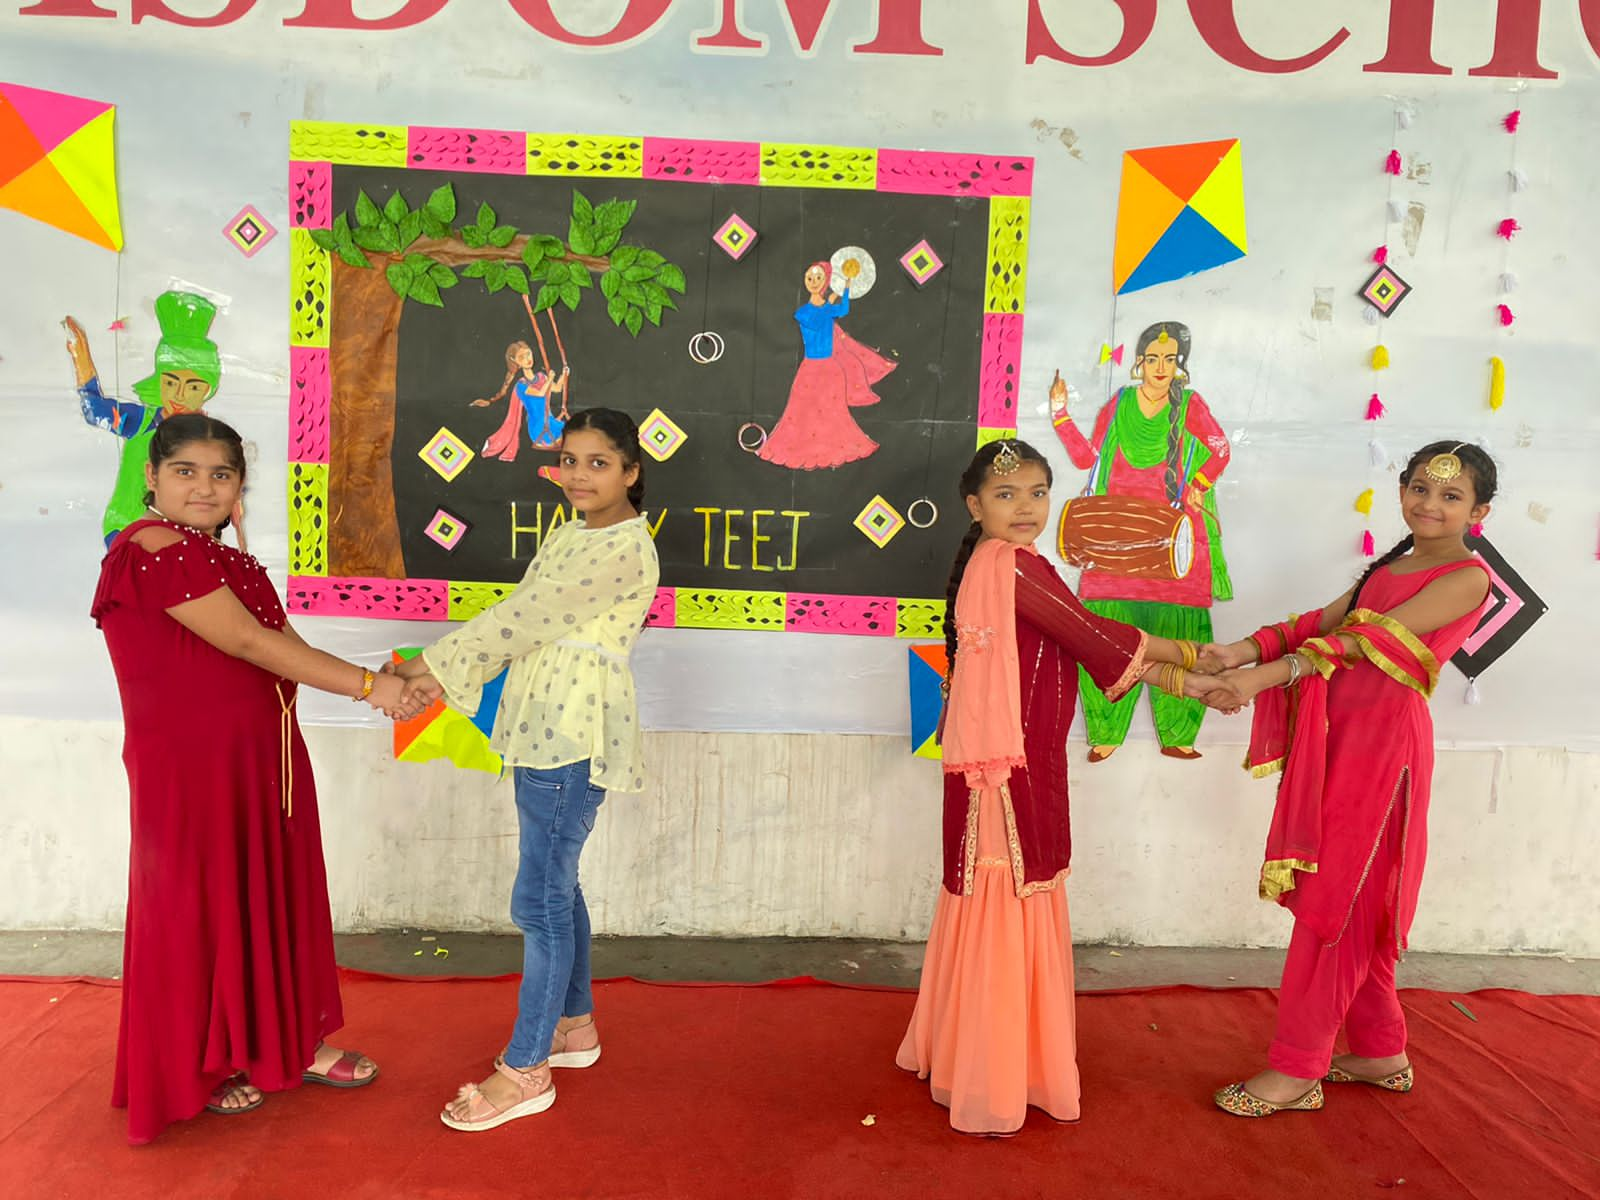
(1403, 117)
(1396, 215)
(1508, 283)
(1371, 315)
(1376, 454)
(1472, 696)
(1519, 179)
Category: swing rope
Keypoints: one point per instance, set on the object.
(544, 355)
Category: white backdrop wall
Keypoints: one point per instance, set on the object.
(819, 821)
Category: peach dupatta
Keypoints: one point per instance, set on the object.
(983, 720)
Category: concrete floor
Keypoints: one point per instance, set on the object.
(416, 952)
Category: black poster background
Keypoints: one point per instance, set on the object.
(925, 423)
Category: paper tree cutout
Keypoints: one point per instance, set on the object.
(57, 162)
(249, 231)
(660, 436)
(446, 454)
(1514, 607)
(928, 666)
(1385, 290)
(879, 522)
(441, 732)
(1181, 212)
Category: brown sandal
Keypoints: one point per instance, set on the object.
(233, 1083)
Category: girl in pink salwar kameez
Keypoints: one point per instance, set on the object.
(1343, 712)
(993, 1029)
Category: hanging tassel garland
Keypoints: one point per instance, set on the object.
(1395, 213)
(1376, 454)
(1519, 179)
(1381, 255)
(1513, 119)
(1393, 164)
(1507, 317)
(1368, 547)
(1509, 228)
(1371, 315)
(1364, 503)
(1497, 383)
(1508, 283)
(1402, 117)
(1380, 354)
(1375, 408)
(1472, 696)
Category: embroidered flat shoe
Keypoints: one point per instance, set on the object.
(1240, 1103)
(1401, 1081)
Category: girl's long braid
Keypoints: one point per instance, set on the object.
(1401, 547)
(1174, 475)
(957, 570)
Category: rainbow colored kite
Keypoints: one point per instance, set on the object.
(442, 732)
(1181, 212)
(58, 162)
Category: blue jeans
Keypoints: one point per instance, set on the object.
(556, 808)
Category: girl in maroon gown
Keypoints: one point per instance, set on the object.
(228, 979)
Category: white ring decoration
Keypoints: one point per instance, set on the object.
(912, 508)
(718, 347)
(748, 448)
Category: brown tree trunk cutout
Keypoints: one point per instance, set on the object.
(363, 531)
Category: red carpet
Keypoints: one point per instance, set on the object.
(761, 1091)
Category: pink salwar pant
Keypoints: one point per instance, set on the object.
(1349, 984)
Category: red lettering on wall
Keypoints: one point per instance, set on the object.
(157, 10)
(1138, 19)
(1516, 43)
(341, 14)
(638, 19)
(1219, 26)
(1589, 14)
(728, 35)
(65, 8)
(1410, 50)
(899, 30)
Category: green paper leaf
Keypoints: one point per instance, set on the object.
(605, 243)
(542, 271)
(614, 215)
(442, 276)
(631, 292)
(425, 290)
(636, 274)
(655, 291)
(410, 228)
(570, 295)
(548, 295)
(616, 307)
(400, 277)
(609, 283)
(533, 254)
(366, 211)
(433, 227)
(634, 321)
(580, 237)
(369, 237)
(341, 229)
(652, 309)
(624, 257)
(502, 235)
(418, 262)
(353, 257)
(580, 274)
(553, 246)
(442, 203)
(671, 277)
(485, 217)
(582, 210)
(516, 280)
(396, 208)
(558, 273)
(474, 270)
(649, 258)
(474, 237)
(494, 276)
(323, 238)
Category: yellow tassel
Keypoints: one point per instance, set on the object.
(1380, 357)
(1497, 383)
(1364, 503)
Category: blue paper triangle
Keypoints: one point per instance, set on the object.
(925, 700)
(489, 704)
(1190, 245)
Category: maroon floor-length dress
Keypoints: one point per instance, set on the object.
(228, 953)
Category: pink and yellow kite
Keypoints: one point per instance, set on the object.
(58, 162)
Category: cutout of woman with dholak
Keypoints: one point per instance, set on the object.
(1145, 528)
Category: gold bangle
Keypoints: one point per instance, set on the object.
(367, 680)
(1190, 653)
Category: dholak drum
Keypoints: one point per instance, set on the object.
(1127, 536)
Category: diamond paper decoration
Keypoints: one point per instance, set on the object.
(447, 529)
(921, 262)
(58, 162)
(1385, 290)
(249, 231)
(928, 667)
(736, 236)
(446, 454)
(660, 436)
(879, 522)
(1514, 607)
(1181, 211)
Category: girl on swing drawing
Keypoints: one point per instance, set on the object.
(835, 375)
(532, 390)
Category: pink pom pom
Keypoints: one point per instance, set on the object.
(1509, 228)
(1393, 166)
(1513, 119)
(1368, 547)
(1375, 408)
(1477, 529)
(1506, 315)
(1381, 254)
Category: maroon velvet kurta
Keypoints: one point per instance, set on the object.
(228, 952)
(1055, 635)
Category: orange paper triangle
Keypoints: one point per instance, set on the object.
(1145, 208)
(41, 193)
(1183, 168)
(19, 148)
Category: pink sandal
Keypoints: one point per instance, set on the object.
(343, 1072)
(576, 1047)
(536, 1088)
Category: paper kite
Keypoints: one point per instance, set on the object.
(441, 732)
(1514, 607)
(1181, 212)
(57, 162)
(927, 674)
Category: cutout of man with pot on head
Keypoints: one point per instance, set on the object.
(187, 371)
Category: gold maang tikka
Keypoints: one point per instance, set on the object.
(1442, 468)
(1007, 460)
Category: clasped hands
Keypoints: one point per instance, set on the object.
(1230, 666)
(418, 687)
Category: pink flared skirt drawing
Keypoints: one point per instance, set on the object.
(816, 429)
(503, 442)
